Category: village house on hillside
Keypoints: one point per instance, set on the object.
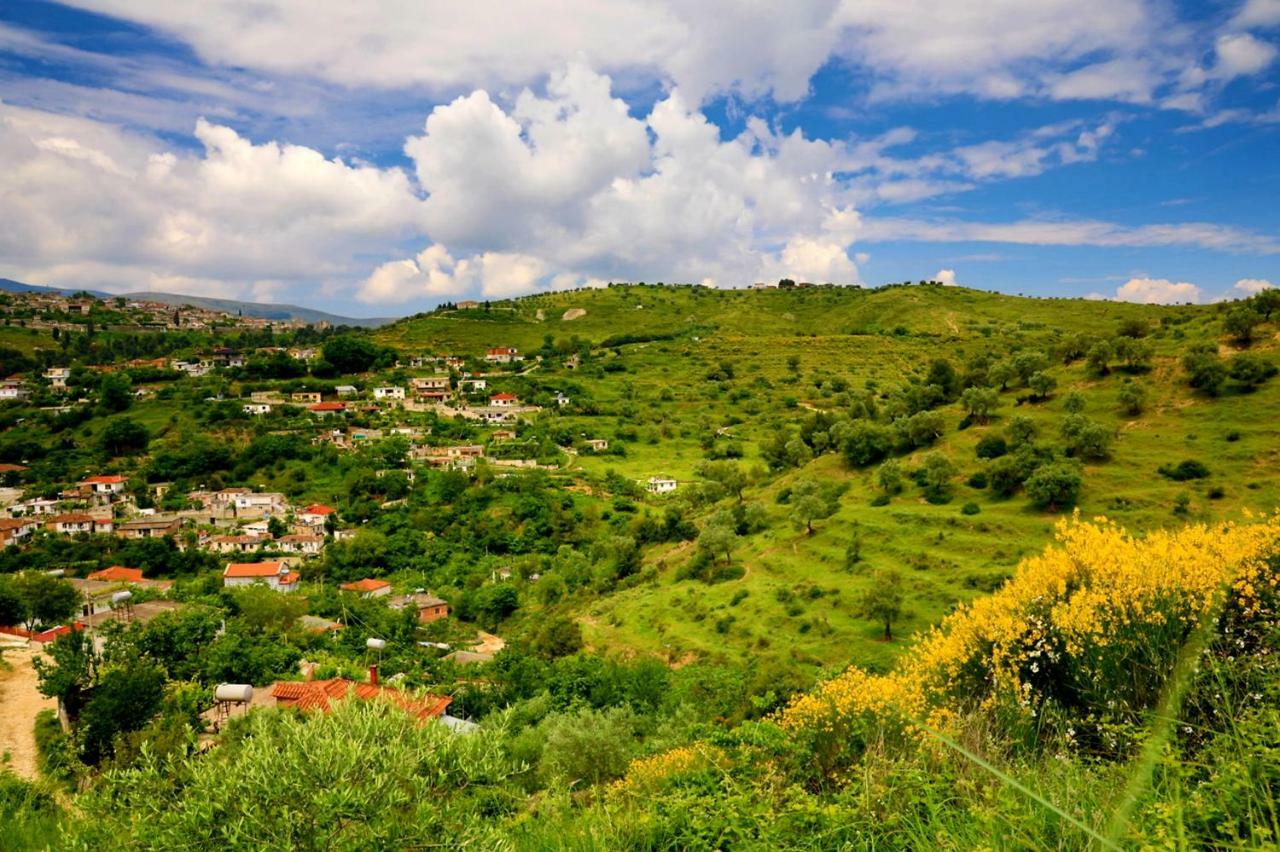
(503, 355)
(153, 527)
(660, 485)
(275, 575)
(368, 588)
(430, 608)
(17, 530)
(319, 695)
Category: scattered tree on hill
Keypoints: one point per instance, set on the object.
(1073, 402)
(1098, 358)
(1022, 430)
(1054, 487)
(557, 637)
(125, 698)
(1250, 371)
(115, 393)
(1266, 302)
(718, 537)
(889, 476)
(1001, 373)
(883, 601)
(124, 437)
(1205, 370)
(1132, 397)
(1240, 322)
(866, 443)
(979, 403)
(935, 477)
(1042, 384)
(808, 505)
(728, 475)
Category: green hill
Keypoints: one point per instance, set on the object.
(683, 374)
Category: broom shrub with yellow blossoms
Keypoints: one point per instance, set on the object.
(1088, 632)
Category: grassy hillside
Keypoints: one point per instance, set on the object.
(792, 353)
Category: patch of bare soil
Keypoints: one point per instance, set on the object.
(574, 313)
(20, 701)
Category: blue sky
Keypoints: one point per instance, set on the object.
(378, 158)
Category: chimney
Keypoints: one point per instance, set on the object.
(373, 674)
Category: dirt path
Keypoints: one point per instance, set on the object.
(21, 702)
(489, 644)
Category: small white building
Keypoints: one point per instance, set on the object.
(503, 355)
(389, 392)
(561, 399)
(13, 389)
(257, 409)
(660, 485)
(504, 400)
(346, 390)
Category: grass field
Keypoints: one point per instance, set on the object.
(792, 352)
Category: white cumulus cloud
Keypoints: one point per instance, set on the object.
(1157, 291)
(1252, 286)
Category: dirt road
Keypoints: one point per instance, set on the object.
(20, 702)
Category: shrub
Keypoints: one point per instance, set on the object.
(970, 508)
(991, 447)
(1054, 486)
(1184, 470)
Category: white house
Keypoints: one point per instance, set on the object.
(660, 485)
(503, 355)
(58, 376)
(305, 544)
(107, 486)
(13, 389)
(389, 392)
(561, 399)
(275, 575)
(346, 390)
(315, 515)
(15, 530)
(473, 384)
(257, 409)
(504, 400)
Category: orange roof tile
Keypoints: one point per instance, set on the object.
(368, 584)
(253, 569)
(319, 695)
(117, 574)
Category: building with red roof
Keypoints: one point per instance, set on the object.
(324, 409)
(319, 695)
(275, 574)
(368, 587)
(117, 574)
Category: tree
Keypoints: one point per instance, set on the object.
(350, 353)
(1001, 373)
(1132, 396)
(70, 671)
(123, 437)
(935, 477)
(1205, 370)
(557, 637)
(979, 402)
(1098, 358)
(728, 474)
(1022, 430)
(1054, 486)
(1042, 384)
(125, 699)
(44, 600)
(889, 476)
(883, 600)
(1266, 302)
(1240, 322)
(718, 537)
(866, 443)
(808, 505)
(1028, 363)
(1250, 371)
(1073, 402)
(115, 393)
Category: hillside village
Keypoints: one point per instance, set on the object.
(673, 505)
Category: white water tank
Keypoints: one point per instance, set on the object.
(238, 692)
(121, 598)
(375, 644)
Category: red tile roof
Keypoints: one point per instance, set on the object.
(253, 569)
(114, 479)
(503, 396)
(76, 518)
(12, 468)
(320, 695)
(368, 584)
(318, 509)
(117, 574)
(290, 578)
(328, 406)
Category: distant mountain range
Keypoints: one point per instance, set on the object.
(251, 309)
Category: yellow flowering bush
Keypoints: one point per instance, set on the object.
(1093, 626)
(649, 774)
